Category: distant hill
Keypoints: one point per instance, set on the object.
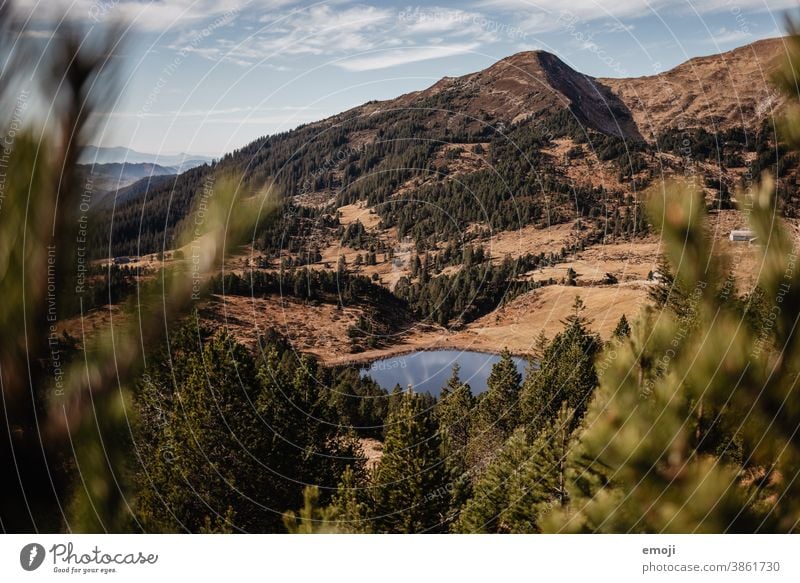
(119, 155)
(113, 176)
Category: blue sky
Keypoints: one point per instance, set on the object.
(208, 76)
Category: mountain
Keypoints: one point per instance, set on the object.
(114, 176)
(721, 91)
(528, 84)
(465, 214)
(527, 142)
(728, 89)
(119, 155)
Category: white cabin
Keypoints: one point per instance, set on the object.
(742, 235)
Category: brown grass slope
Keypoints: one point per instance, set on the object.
(717, 92)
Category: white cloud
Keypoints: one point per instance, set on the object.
(450, 22)
(260, 32)
(545, 15)
(395, 57)
(322, 29)
(39, 34)
(725, 36)
(219, 115)
(345, 30)
(149, 15)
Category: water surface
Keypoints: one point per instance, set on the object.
(429, 370)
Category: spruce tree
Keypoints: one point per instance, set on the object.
(350, 508)
(622, 330)
(643, 464)
(566, 373)
(411, 490)
(522, 484)
(454, 414)
(498, 407)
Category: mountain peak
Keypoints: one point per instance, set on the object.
(531, 64)
(526, 85)
(720, 90)
(523, 58)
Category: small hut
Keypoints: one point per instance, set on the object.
(742, 235)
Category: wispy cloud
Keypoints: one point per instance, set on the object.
(273, 121)
(148, 15)
(395, 57)
(219, 114)
(323, 29)
(335, 31)
(39, 34)
(545, 15)
(272, 32)
(727, 36)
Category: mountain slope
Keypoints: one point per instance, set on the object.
(473, 207)
(528, 141)
(526, 85)
(731, 89)
(113, 176)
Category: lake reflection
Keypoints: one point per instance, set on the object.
(429, 370)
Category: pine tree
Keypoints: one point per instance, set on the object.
(231, 448)
(622, 330)
(540, 345)
(453, 411)
(454, 414)
(305, 446)
(351, 505)
(566, 373)
(313, 518)
(411, 491)
(643, 464)
(522, 484)
(66, 410)
(498, 407)
(202, 474)
(667, 293)
(571, 277)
